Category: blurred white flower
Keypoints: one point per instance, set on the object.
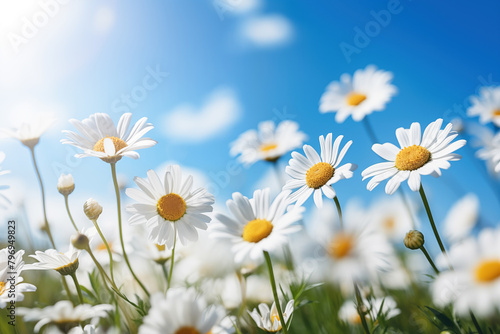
(385, 306)
(491, 152)
(100, 138)
(316, 174)
(64, 263)
(29, 133)
(390, 217)
(486, 105)
(180, 311)
(419, 155)
(10, 278)
(258, 225)
(268, 319)
(369, 90)
(170, 208)
(268, 143)
(461, 218)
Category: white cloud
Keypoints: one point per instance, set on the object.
(268, 31)
(220, 110)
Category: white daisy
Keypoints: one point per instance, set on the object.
(474, 284)
(390, 217)
(180, 311)
(419, 155)
(461, 218)
(11, 282)
(29, 133)
(64, 263)
(386, 307)
(100, 138)
(268, 319)
(170, 207)
(486, 105)
(491, 152)
(369, 90)
(64, 315)
(257, 225)
(268, 143)
(316, 174)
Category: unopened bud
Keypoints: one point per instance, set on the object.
(80, 241)
(92, 209)
(414, 239)
(65, 184)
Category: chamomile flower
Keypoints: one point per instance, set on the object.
(170, 207)
(102, 139)
(29, 133)
(268, 319)
(181, 311)
(474, 284)
(258, 225)
(461, 218)
(390, 217)
(419, 155)
(367, 91)
(63, 315)
(491, 152)
(386, 307)
(316, 174)
(486, 105)
(10, 278)
(268, 143)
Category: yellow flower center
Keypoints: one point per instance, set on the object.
(389, 223)
(354, 99)
(340, 246)
(118, 142)
(319, 174)
(187, 330)
(496, 112)
(2, 288)
(257, 229)
(412, 157)
(171, 207)
(102, 247)
(160, 248)
(487, 271)
(268, 147)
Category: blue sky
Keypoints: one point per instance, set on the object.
(91, 54)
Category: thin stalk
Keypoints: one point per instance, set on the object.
(339, 210)
(275, 292)
(94, 221)
(69, 212)
(243, 289)
(118, 205)
(429, 259)
(433, 225)
(369, 130)
(46, 222)
(164, 270)
(77, 285)
(172, 259)
(66, 287)
(361, 312)
(277, 170)
(476, 324)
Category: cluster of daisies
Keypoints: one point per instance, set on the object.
(176, 266)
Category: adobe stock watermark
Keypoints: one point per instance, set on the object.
(32, 24)
(364, 35)
(224, 6)
(131, 100)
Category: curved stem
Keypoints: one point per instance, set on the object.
(46, 222)
(360, 310)
(94, 221)
(275, 292)
(339, 210)
(69, 212)
(369, 130)
(433, 225)
(77, 285)
(243, 290)
(118, 205)
(65, 285)
(277, 170)
(172, 259)
(429, 259)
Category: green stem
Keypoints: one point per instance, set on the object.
(172, 259)
(361, 312)
(429, 259)
(94, 221)
(243, 289)
(77, 285)
(275, 292)
(433, 225)
(46, 222)
(65, 285)
(164, 270)
(69, 212)
(339, 210)
(476, 324)
(118, 205)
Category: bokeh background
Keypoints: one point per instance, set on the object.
(205, 71)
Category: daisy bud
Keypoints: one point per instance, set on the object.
(65, 184)
(80, 241)
(92, 209)
(414, 239)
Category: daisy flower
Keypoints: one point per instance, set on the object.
(100, 138)
(29, 133)
(181, 311)
(474, 284)
(268, 319)
(419, 155)
(316, 174)
(64, 263)
(391, 218)
(461, 218)
(170, 207)
(63, 315)
(386, 306)
(268, 143)
(491, 152)
(257, 225)
(10, 279)
(369, 90)
(486, 105)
